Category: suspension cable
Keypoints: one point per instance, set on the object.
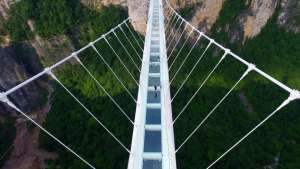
(185, 27)
(139, 35)
(126, 51)
(137, 42)
(104, 90)
(175, 18)
(86, 109)
(202, 84)
(174, 36)
(291, 98)
(120, 60)
(212, 111)
(184, 44)
(122, 30)
(110, 68)
(4, 99)
(194, 67)
(187, 56)
(171, 30)
(168, 25)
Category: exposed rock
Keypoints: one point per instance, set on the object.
(179, 4)
(243, 98)
(26, 153)
(289, 15)
(19, 62)
(114, 2)
(4, 6)
(255, 18)
(138, 11)
(97, 4)
(207, 14)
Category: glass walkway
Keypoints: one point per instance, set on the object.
(153, 139)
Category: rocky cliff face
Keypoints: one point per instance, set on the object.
(253, 19)
(206, 12)
(289, 15)
(18, 63)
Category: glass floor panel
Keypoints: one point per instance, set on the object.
(153, 116)
(153, 97)
(154, 68)
(154, 81)
(152, 141)
(152, 164)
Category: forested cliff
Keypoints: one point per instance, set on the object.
(37, 33)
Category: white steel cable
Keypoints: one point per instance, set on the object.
(169, 22)
(168, 25)
(6, 152)
(126, 51)
(212, 111)
(98, 83)
(137, 42)
(174, 36)
(262, 73)
(24, 83)
(13, 106)
(110, 68)
(171, 30)
(200, 87)
(140, 37)
(195, 65)
(176, 57)
(282, 105)
(87, 110)
(178, 40)
(122, 30)
(187, 56)
(175, 18)
(128, 71)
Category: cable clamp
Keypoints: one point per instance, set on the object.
(77, 58)
(3, 97)
(294, 95)
(91, 43)
(74, 54)
(251, 67)
(227, 51)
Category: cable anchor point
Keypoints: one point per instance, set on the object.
(251, 67)
(3, 97)
(294, 95)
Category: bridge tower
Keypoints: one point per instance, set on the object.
(153, 137)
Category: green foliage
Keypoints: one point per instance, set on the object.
(7, 134)
(230, 11)
(52, 17)
(70, 122)
(59, 17)
(275, 51)
(17, 26)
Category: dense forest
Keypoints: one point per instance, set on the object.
(275, 51)
(275, 144)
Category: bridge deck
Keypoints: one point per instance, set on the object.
(153, 138)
